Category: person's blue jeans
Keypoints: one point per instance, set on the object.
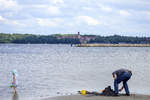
(122, 78)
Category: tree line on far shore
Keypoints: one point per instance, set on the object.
(116, 39)
(35, 39)
(53, 39)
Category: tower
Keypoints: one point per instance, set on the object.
(79, 37)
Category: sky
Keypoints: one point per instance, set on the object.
(95, 17)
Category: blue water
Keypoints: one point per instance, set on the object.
(47, 70)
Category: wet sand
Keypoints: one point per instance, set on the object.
(80, 97)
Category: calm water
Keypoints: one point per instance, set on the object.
(52, 70)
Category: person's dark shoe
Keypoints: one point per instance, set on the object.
(116, 95)
(127, 94)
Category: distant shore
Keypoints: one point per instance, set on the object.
(113, 45)
(80, 97)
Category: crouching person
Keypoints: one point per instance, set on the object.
(121, 75)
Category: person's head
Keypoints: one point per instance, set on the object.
(14, 72)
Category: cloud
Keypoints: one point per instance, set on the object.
(146, 14)
(49, 22)
(124, 13)
(87, 20)
(84, 15)
(10, 22)
(87, 8)
(53, 10)
(9, 5)
(42, 10)
(13, 23)
(105, 8)
(57, 1)
(1, 18)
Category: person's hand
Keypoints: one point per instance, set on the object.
(120, 89)
(115, 76)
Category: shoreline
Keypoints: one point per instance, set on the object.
(89, 97)
(113, 45)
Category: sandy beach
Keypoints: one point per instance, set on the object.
(88, 97)
(113, 45)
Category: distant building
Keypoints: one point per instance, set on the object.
(83, 38)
